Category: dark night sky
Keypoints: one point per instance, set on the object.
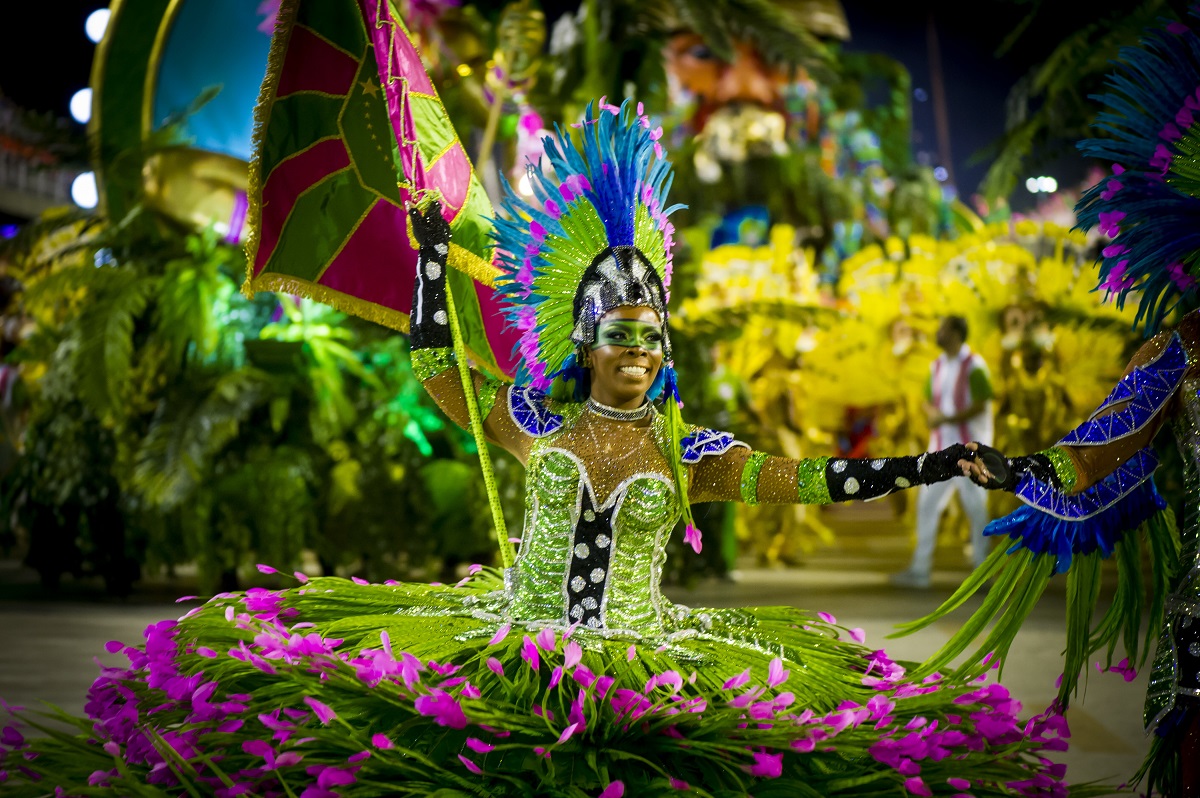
(969, 32)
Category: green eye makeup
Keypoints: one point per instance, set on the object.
(630, 333)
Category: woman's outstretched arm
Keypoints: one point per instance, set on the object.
(1124, 426)
(758, 478)
(432, 346)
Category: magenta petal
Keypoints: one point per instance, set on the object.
(917, 787)
(567, 732)
(615, 789)
(573, 654)
(501, 633)
(258, 748)
(737, 681)
(479, 746)
(776, 675)
(335, 777)
(546, 640)
(322, 710)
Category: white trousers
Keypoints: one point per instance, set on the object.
(931, 503)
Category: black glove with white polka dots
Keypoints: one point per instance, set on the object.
(428, 323)
(851, 479)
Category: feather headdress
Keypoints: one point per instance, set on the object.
(602, 193)
(1150, 206)
(597, 238)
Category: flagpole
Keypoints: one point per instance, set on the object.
(485, 456)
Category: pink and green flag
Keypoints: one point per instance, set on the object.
(348, 129)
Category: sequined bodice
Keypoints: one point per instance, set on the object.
(600, 502)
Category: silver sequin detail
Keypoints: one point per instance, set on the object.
(597, 575)
(1187, 621)
(877, 464)
(594, 622)
(1194, 648)
(851, 486)
(578, 583)
(581, 550)
(602, 540)
(589, 603)
(576, 611)
(441, 249)
(901, 482)
(440, 317)
(838, 466)
(588, 515)
(433, 269)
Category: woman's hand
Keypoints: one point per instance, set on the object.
(429, 228)
(988, 468)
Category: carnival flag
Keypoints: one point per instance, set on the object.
(348, 129)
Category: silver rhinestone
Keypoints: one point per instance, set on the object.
(581, 550)
(588, 515)
(578, 583)
(576, 612)
(877, 464)
(594, 622)
(838, 466)
(440, 317)
(602, 541)
(597, 575)
(921, 462)
(589, 603)
(441, 249)
(851, 486)
(1194, 648)
(901, 482)
(433, 269)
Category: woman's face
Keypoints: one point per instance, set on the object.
(626, 356)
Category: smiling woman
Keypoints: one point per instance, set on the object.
(569, 673)
(626, 357)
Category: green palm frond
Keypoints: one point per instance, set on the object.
(780, 39)
(1049, 109)
(185, 306)
(38, 244)
(105, 332)
(56, 294)
(187, 434)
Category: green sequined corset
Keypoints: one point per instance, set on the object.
(629, 527)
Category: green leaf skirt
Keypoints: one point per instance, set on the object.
(337, 687)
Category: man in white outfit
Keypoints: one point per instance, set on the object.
(959, 407)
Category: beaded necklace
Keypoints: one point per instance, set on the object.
(616, 414)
